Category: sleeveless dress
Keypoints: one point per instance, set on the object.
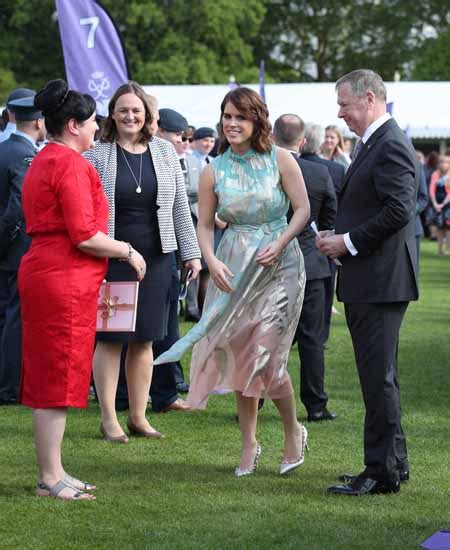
(243, 339)
(136, 222)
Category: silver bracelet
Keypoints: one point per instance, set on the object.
(130, 254)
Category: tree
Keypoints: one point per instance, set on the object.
(433, 61)
(305, 40)
(179, 42)
(31, 49)
(206, 41)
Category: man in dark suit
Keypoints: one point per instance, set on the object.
(375, 240)
(16, 154)
(289, 132)
(314, 137)
(421, 204)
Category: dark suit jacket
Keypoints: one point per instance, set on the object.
(16, 154)
(323, 204)
(422, 200)
(378, 207)
(336, 170)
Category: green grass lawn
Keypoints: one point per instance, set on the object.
(180, 492)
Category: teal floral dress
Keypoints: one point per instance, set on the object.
(243, 339)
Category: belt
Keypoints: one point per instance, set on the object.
(267, 228)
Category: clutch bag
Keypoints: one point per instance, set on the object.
(117, 306)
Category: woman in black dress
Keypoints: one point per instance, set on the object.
(148, 206)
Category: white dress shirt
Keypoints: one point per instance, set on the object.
(9, 129)
(371, 129)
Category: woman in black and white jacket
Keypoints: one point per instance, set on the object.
(148, 208)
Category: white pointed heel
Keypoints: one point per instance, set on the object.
(238, 472)
(286, 467)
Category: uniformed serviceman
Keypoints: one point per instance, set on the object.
(10, 128)
(16, 154)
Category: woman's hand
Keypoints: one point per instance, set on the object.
(220, 274)
(438, 207)
(137, 262)
(270, 254)
(195, 266)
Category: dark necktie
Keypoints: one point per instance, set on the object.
(357, 150)
(207, 160)
(183, 165)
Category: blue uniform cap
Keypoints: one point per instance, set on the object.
(172, 121)
(24, 109)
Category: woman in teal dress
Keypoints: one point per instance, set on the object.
(254, 299)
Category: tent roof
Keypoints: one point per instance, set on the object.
(420, 108)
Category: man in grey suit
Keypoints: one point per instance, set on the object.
(375, 241)
(16, 154)
(289, 133)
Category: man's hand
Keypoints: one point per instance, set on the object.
(332, 246)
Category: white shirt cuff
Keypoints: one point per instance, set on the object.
(349, 244)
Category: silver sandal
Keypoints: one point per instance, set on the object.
(69, 480)
(44, 490)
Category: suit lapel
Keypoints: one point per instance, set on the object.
(365, 151)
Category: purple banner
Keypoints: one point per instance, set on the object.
(93, 52)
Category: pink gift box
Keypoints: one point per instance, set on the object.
(117, 305)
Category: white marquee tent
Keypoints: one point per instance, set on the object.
(420, 108)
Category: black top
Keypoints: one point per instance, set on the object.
(136, 213)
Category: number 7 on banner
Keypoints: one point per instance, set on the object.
(94, 22)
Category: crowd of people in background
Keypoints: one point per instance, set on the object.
(169, 187)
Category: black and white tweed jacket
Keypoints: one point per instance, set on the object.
(174, 217)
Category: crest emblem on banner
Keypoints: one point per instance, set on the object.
(99, 83)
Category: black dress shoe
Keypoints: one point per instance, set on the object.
(8, 401)
(365, 486)
(191, 318)
(350, 478)
(325, 414)
(182, 387)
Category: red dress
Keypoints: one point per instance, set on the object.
(64, 205)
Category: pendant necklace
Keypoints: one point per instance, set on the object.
(138, 183)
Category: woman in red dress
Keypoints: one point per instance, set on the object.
(59, 278)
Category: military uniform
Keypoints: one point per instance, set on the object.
(16, 154)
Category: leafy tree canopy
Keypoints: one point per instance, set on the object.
(206, 41)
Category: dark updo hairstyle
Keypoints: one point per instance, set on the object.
(252, 107)
(59, 104)
(109, 133)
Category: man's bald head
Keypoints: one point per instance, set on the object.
(288, 131)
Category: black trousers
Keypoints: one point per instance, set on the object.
(163, 389)
(375, 329)
(310, 347)
(10, 336)
(330, 283)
